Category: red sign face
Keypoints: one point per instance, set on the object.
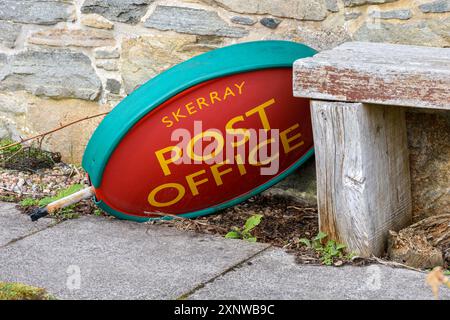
(210, 145)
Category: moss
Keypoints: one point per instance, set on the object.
(28, 202)
(19, 291)
(10, 150)
(8, 198)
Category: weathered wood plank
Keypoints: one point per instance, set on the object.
(363, 173)
(377, 73)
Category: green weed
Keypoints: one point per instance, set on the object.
(28, 202)
(329, 251)
(245, 232)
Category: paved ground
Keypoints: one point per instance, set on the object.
(99, 258)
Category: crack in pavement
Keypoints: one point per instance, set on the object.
(186, 295)
(30, 234)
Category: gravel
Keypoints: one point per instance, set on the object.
(17, 185)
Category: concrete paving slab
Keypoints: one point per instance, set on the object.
(15, 225)
(100, 258)
(274, 275)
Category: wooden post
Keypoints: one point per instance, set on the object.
(363, 173)
(361, 149)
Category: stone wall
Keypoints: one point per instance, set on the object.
(64, 59)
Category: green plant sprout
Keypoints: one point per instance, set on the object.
(328, 252)
(245, 232)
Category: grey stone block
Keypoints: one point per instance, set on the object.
(438, 6)
(127, 11)
(246, 21)
(9, 33)
(403, 14)
(192, 21)
(354, 3)
(57, 73)
(45, 12)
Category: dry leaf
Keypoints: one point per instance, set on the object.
(435, 279)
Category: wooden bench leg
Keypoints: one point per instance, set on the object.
(363, 178)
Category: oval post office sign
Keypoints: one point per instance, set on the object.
(204, 135)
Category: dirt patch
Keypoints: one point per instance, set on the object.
(282, 225)
(27, 158)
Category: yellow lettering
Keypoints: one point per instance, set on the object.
(209, 133)
(167, 121)
(202, 102)
(252, 155)
(214, 95)
(177, 186)
(163, 162)
(242, 132)
(240, 87)
(285, 141)
(240, 164)
(228, 92)
(218, 174)
(177, 115)
(190, 108)
(193, 184)
(261, 112)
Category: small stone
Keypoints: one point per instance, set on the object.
(351, 15)
(127, 11)
(192, 21)
(392, 14)
(113, 86)
(270, 23)
(96, 21)
(332, 5)
(106, 53)
(246, 21)
(439, 6)
(9, 33)
(20, 183)
(354, 3)
(107, 64)
(45, 12)
(113, 99)
(69, 37)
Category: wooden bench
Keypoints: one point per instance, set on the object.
(359, 91)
